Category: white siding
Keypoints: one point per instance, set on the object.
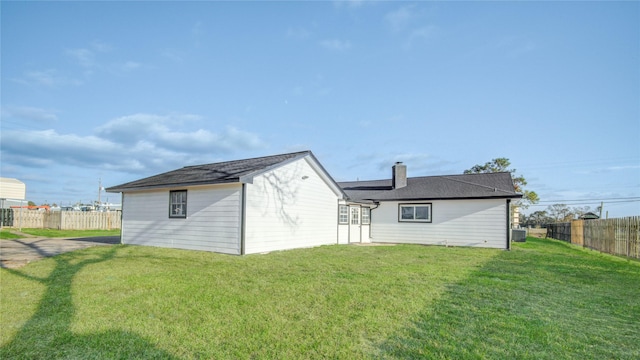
(343, 233)
(290, 207)
(481, 223)
(12, 189)
(366, 229)
(212, 223)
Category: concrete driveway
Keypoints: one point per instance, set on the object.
(19, 252)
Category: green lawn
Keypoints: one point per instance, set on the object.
(542, 300)
(53, 233)
(6, 234)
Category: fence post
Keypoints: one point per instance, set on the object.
(629, 238)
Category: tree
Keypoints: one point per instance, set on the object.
(579, 211)
(560, 212)
(519, 182)
(31, 203)
(536, 219)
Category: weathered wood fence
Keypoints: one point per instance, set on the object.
(67, 220)
(612, 236)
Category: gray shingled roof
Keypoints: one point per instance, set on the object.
(467, 186)
(216, 173)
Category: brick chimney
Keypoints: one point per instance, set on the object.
(399, 175)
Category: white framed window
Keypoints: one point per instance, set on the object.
(366, 216)
(414, 212)
(343, 214)
(178, 204)
(355, 215)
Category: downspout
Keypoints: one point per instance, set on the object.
(508, 224)
(243, 218)
(338, 223)
(121, 218)
(377, 204)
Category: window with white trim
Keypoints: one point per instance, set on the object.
(366, 216)
(414, 212)
(178, 204)
(355, 215)
(343, 214)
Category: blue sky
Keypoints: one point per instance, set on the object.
(123, 90)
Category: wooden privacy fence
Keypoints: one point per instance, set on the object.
(612, 236)
(560, 231)
(67, 220)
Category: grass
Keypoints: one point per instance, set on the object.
(7, 234)
(542, 300)
(53, 233)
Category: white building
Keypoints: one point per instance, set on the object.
(12, 192)
(290, 201)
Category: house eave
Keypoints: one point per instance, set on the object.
(116, 189)
(440, 198)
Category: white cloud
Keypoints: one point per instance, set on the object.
(139, 143)
(206, 141)
(88, 59)
(100, 46)
(420, 34)
(418, 164)
(197, 29)
(50, 146)
(136, 144)
(132, 128)
(84, 57)
(48, 78)
(336, 44)
(349, 3)
(408, 22)
(173, 55)
(400, 19)
(29, 113)
(131, 65)
(297, 33)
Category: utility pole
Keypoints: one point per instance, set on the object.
(601, 206)
(99, 191)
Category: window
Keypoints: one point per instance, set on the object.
(366, 216)
(355, 215)
(414, 212)
(178, 204)
(343, 216)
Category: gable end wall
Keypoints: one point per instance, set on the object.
(290, 207)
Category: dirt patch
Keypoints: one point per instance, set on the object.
(539, 233)
(16, 253)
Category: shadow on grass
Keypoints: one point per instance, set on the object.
(99, 239)
(544, 300)
(47, 334)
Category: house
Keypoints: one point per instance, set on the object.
(451, 210)
(12, 192)
(589, 216)
(290, 201)
(236, 207)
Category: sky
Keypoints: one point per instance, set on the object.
(110, 92)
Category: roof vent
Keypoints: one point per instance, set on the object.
(399, 175)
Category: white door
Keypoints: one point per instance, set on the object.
(354, 224)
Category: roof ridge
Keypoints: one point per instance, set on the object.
(475, 184)
(428, 176)
(249, 159)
